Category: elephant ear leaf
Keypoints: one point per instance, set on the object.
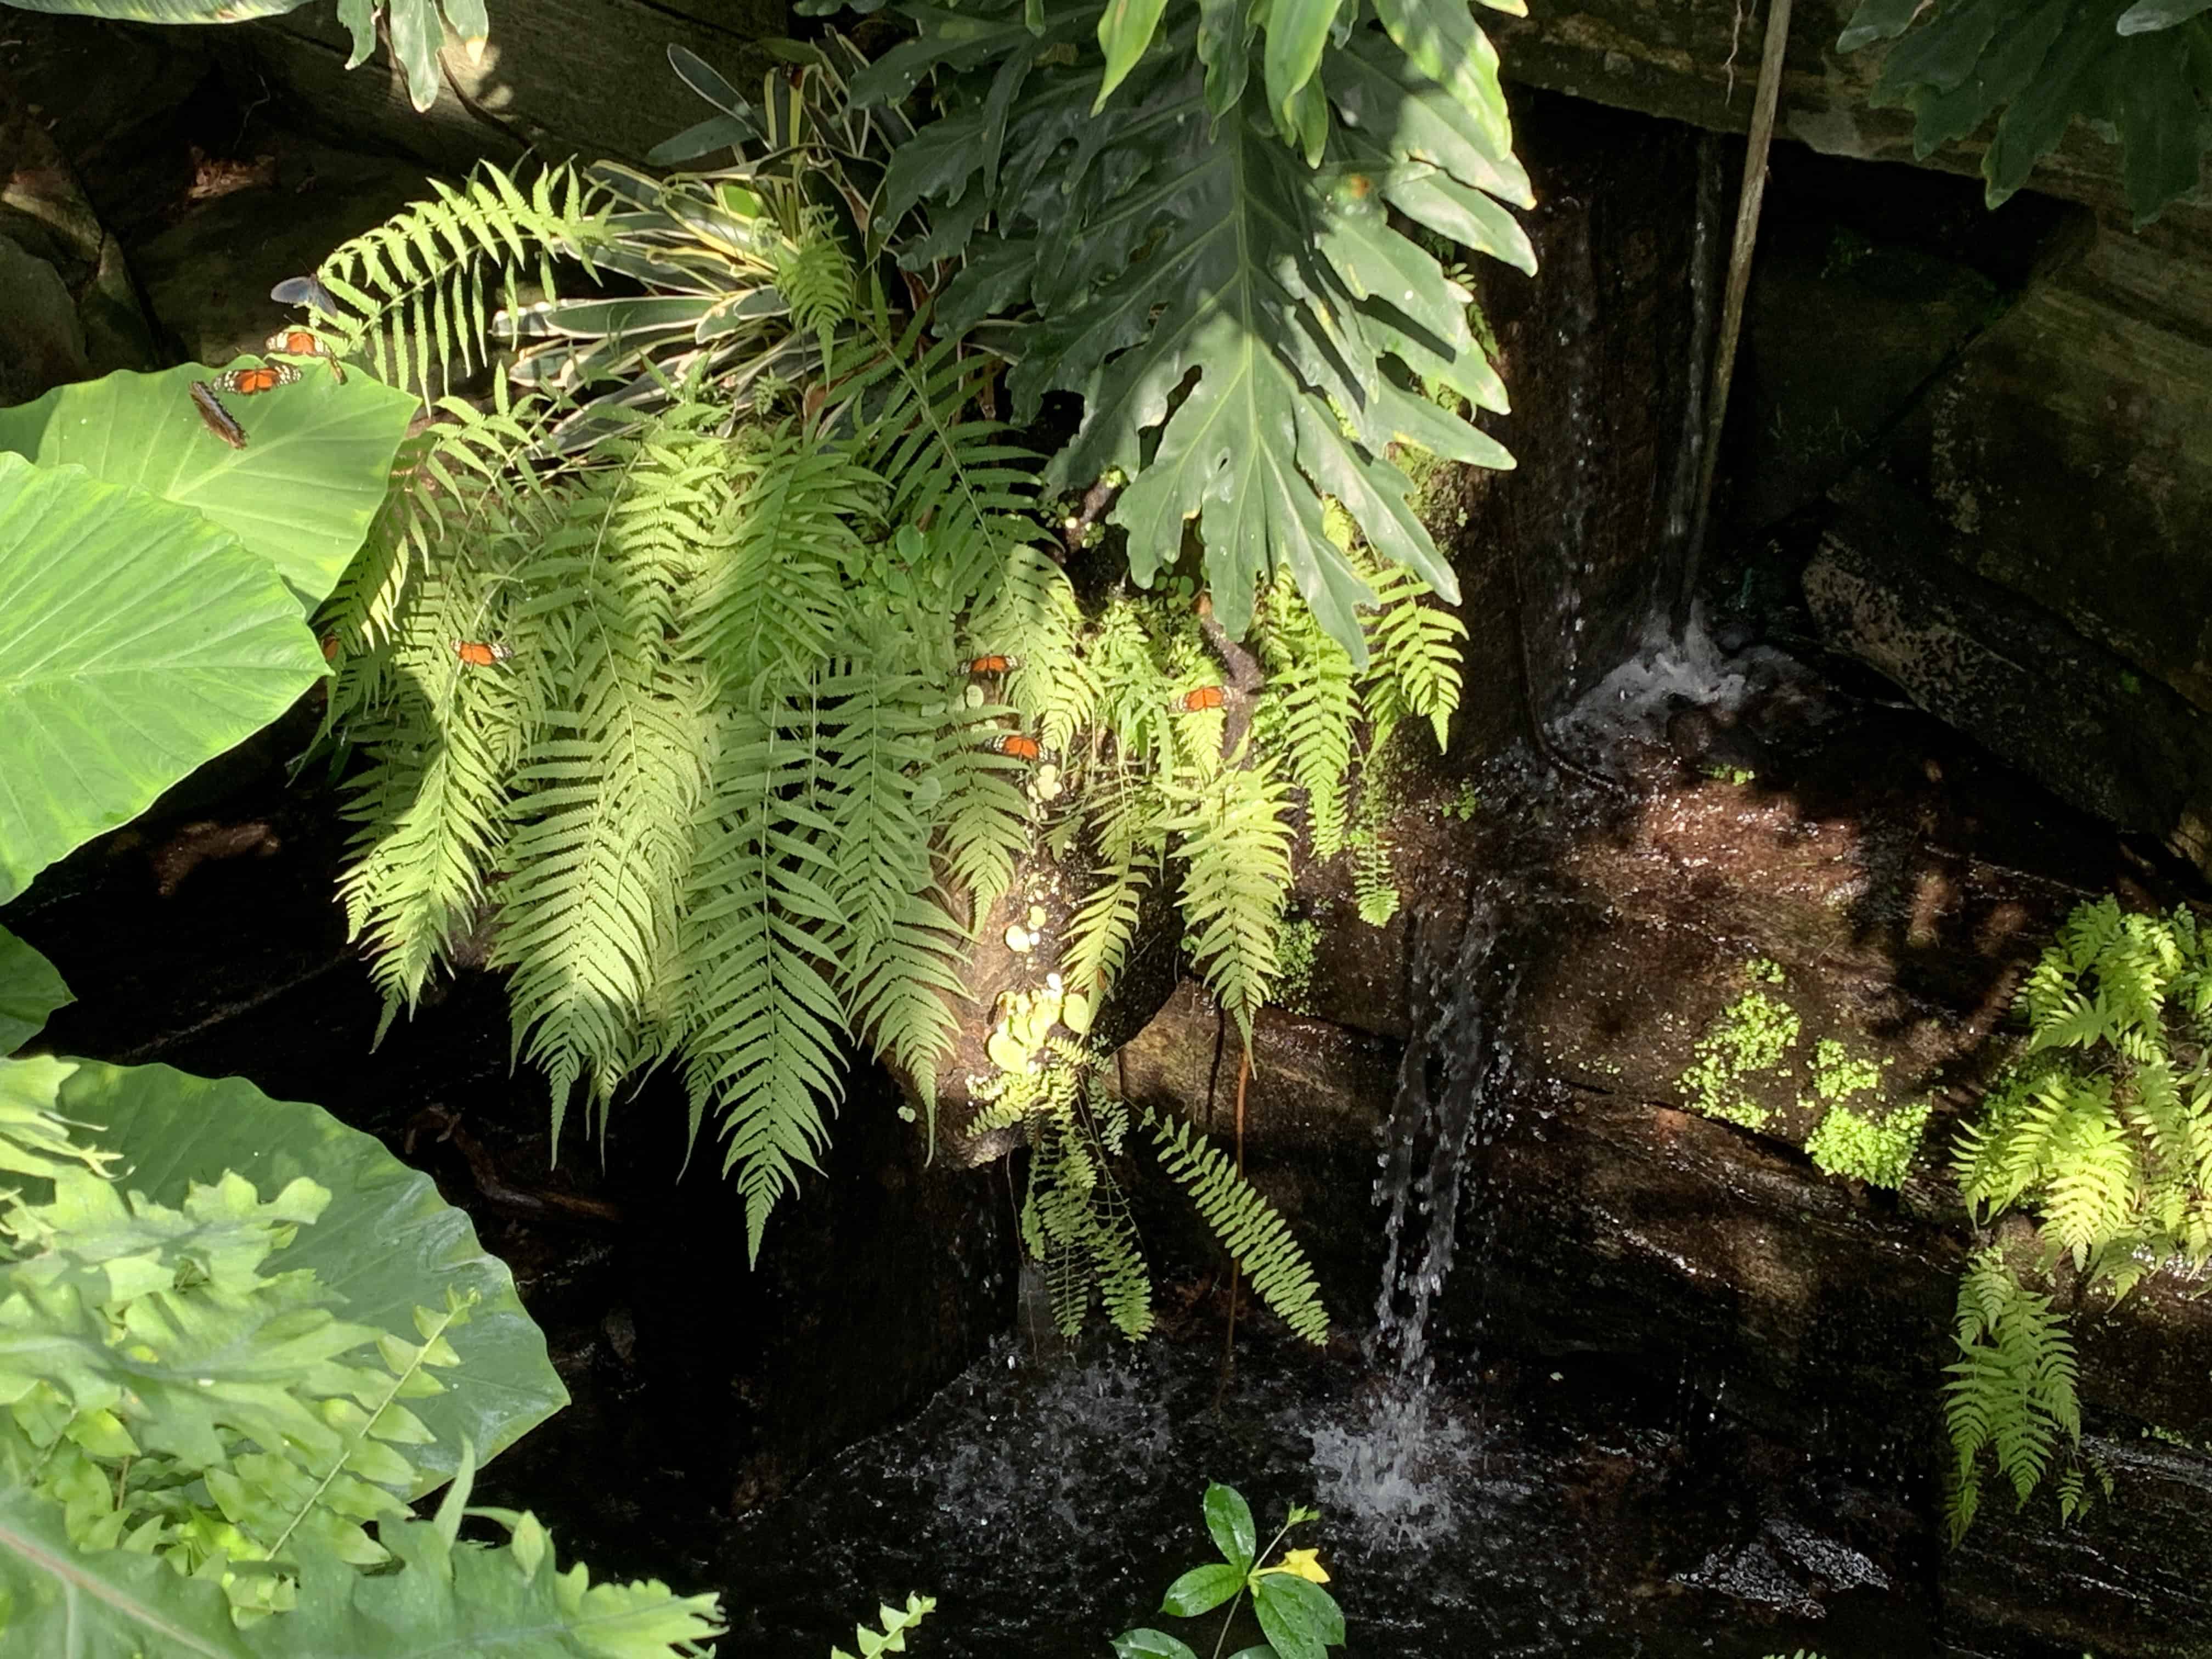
(137, 641)
(31, 988)
(301, 494)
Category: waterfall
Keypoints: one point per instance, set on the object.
(1678, 565)
(1390, 1472)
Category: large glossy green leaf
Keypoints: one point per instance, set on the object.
(1248, 334)
(137, 639)
(301, 494)
(31, 988)
(387, 1243)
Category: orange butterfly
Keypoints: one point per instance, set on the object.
(298, 342)
(1014, 744)
(262, 377)
(220, 421)
(993, 665)
(477, 653)
(1206, 696)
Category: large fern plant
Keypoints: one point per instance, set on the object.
(2103, 1127)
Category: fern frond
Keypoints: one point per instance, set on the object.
(815, 278)
(1249, 1228)
(761, 1040)
(612, 788)
(1414, 653)
(1309, 712)
(2012, 1390)
(1033, 618)
(414, 289)
(1236, 845)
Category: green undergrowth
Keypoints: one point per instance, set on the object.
(1860, 1133)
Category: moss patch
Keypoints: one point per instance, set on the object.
(1877, 1151)
(1753, 1035)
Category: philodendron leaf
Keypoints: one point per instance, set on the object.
(31, 988)
(137, 641)
(1229, 1524)
(301, 494)
(1251, 335)
(164, 11)
(387, 1243)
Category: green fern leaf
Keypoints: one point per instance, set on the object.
(1248, 1227)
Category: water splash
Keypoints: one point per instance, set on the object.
(1394, 1470)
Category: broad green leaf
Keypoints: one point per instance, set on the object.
(387, 1243)
(1147, 1644)
(1125, 30)
(1877, 20)
(31, 988)
(2070, 77)
(35, 1137)
(416, 33)
(1202, 1589)
(2160, 129)
(1301, 1620)
(301, 494)
(2150, 16)
(2011, 62)
(1229, 1524)
(137, 641)
(1297, 30)
(1942, 53)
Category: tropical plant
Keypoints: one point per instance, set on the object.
(1249, 332)
(416, 30)
(1298, 1618)
(192, 1441)
(152, 582)
(2103, 1127)
(2137, 70)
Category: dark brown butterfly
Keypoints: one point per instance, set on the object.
(220, 421)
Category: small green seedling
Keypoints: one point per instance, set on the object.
(1300, 1619)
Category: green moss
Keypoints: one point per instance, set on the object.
(1753, 1035)
(1464, 805)
(1877, 1151)
(1735, 775)
(1766, 971)
(1836, 1075)
(1295, 953)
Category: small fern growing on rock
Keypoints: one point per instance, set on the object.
(2103, 1127)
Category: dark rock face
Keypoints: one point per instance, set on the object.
(2057, 705)
(1898, 882)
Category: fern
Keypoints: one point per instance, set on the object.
(412, 293)
(894, 1623)
(1235, 840)
(2012, 1389)
(1413, 662)
(1249, 1228)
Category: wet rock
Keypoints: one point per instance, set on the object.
(2067, 461)
(208, 277)
(1698, 63)
(41, 342)
(2059, 706)
(561, 77)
